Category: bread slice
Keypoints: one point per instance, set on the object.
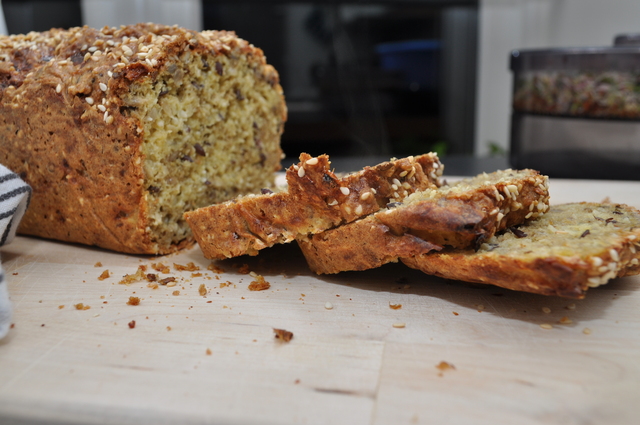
(571, 248)
(119, 131)
(462, 215)
(316, 200)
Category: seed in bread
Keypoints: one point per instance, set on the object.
(121, 130)
(462, 215)
(570, 249)
(315, 200)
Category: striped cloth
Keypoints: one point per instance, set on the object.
(14, 199)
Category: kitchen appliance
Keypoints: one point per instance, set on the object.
(576, 111)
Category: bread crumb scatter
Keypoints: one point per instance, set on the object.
(133, 301)
(190, 267)
(208, 352)
(175, 293)
(202, 290)
(196, 274)
(243, 269)
(168, 328)
(105, 275)
(455, 313)
(132, 324)
(98, 264)
(139, 275)
(586, 331)
(61, 306)
(168, 281)
(399, 325)
(546, 326)
(328, 305)
(259, 284)
(282, 335)
(395, 306)
(480, 307)
(81, 306)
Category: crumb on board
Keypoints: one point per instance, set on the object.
(202, 289)
(243, 268)
(328, 305)
(196, 274)
(259, 284)
(399, 325)
(546, 326)
(565, 321)
(135, 277)
(282, 335)
(161, 268)
(445, 366)
(168, 281)
(395, 306)
(105, 275)
(190, 267)
(132, 324)
(98, 264)
(133, 301)
(455, 313)
(81, 306)
(61, 306)
(586, 331)
(208, 352)
(215, 268)
(175, 293)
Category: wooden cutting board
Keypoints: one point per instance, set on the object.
(213, 358)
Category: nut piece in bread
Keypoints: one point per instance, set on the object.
(569, 249)
(121, 130)
(462, 215)
(315, 200)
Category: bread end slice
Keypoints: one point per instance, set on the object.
(568, 250)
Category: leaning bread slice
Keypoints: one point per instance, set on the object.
(315, 200)
(571, 248)
(462, 215)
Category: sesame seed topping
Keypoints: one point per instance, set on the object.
(546, 326)
(345, 190)
(365, 196)
(102, 108)
(394, 186)
(332, 202)
(586, 331)
(396, 182)
(58, 88)
(328, 305)
(614, 255)
(404, 173)
(373, 191)
(399, 325)
(312, 161)
(89, 100)
(103, 86)
(301, 172)
(359, 210)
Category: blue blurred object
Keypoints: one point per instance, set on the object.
(417, 60)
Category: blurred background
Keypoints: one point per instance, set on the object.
(376, 78)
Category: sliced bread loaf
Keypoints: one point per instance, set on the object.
(315, 200)
(461, 215)
(571, 248)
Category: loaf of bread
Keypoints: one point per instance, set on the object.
(461, 215)
(119, 131)
(315, 200)
(569, 249)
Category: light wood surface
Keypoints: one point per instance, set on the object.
(345, 365)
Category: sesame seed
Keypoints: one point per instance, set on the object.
(394, 186)
(546, 310)
(614, 255)
(347, 209)
(103, 86)
(586, 331)
(565, 321)
(359, 210)
(87, 56)
(373, 191)
(365, 196)
(396, 182)
(332, 202)
(399, 325)
(312, 161)
(110, 74)
(106, 114)
(102, 108)
(345, 190)
(89, 100)
(328, 305)
(58, 88)
(546, 326)
(395, 195)
(404, 173)
(301, 172)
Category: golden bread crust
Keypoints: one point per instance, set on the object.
(82, 111)
(460, 216)
(316, 200)
(567, 250)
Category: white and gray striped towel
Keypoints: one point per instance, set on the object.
(14, 200)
